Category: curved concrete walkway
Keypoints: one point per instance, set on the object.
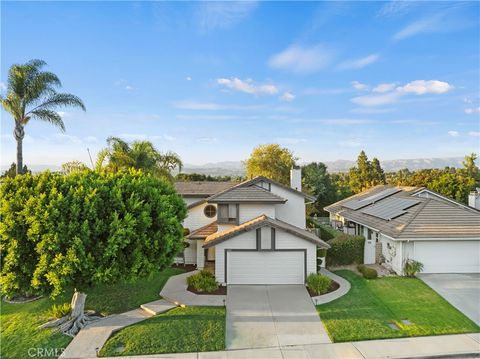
(175, 290)
(340, 292)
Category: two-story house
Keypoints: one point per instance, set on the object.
(253, 232)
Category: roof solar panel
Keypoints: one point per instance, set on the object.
(391, 208)
(360, 203)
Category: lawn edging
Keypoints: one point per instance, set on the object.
(344, 287)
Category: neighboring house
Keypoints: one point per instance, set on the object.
(401, 223)
(251, 232)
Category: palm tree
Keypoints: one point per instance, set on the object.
(139, 155)
(31, 94)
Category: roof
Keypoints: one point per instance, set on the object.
(259, 222)
(202, 188)
(204, 232)
(246, 194)
(406, 214)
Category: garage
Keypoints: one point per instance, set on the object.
(265, 267)
(448, 257)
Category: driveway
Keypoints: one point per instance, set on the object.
(266, 316)
(461, 290)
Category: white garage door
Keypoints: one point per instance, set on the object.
(449, 257)
(265, 267)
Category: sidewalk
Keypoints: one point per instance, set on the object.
(419, 347)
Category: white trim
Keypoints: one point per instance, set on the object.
(439, 239)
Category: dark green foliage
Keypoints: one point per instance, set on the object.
(367, 272)
(12, 171)
(202, 177)
(345, 249)
(204, 281)
(316, 181)
(321, 252)
(412, 267)
(86, 228)
(366, 174)
(60, 310)
(318, 283)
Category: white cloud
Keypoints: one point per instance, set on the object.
(63, 114)
(188, 78)
(359, 63)
(290, 140)
(123, 84)
(426, 25)
(202, 117)
(396, 7)
(421, 87)
(207, 139)
(3, 86)
(474, 133)
(223, 14)
(91, 139)
(376, 100)
(350, 143)
(144, 137)
(128, 88)
(303, 60)
(212, 106)
(359, 86)
(247, 86)
(386, 87)
(472, 110)
(453, 133)
(369, 110)
(287, 96)
(345, 121)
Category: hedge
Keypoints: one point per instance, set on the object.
(345, 249)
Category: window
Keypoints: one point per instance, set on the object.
(228, 213)
(210, 211)
(369, 235)
(265, 239)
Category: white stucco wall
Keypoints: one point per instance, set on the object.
(283, 240)
(196, 218)
(393, 253)
(292, 211)
(250, 211)
(190, 253)
(200, 254)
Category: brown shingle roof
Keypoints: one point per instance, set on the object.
(203, 232)
(247, 194)
(201, 188)
(431, 218)
(258, 222)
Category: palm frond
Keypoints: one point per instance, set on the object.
(59, 100)
(36, 63)
(49, 116)
(101, 157)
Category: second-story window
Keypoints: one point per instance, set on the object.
(210, 211)
(228, 213)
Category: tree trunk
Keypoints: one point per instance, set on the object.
(77, 319)
(19, 134)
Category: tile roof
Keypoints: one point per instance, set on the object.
(201, 188)
(258, 222)
(203, 232)
(246, 194)
(432, 217)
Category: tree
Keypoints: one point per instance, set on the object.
(271, 161)
(453, 185)
(12, 171)
(140, 155)
(366, 174)
(317, 182)
(471, 168)
(73, 231)
(74, 166)
(31, 94)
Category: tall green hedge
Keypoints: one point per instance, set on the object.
(345, 249)
(59, 231)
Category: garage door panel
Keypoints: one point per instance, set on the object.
(276, 267)
(449, 257)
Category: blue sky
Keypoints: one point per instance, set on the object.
(212, 80)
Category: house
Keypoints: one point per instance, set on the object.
(251, 232)
(401, 223)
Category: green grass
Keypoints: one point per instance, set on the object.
(19, 322)
(180, 330)
(364, 313)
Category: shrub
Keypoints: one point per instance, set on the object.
(60, 310)
(412, 267)
(367, 272)
(318, 283)
(345, 249)
(361, 267)
(203, 281)
(321, 252)
(327, 233)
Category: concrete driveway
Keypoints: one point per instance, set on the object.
(266, 316)
(461, 290)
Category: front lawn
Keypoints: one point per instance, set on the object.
(370, 305)
(189, 329)
(19, 322)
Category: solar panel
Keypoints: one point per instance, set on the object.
(391, 208)
(360, 203)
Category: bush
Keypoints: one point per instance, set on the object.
(60, 310)
(367, 272)
(204, 281)
(412, 267)
(345, 249)
(318, 283)
(361, 268)
(321, 252)
(327, 233)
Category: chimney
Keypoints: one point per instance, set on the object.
(474, 199)
(296, 178)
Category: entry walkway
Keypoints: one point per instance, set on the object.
(466, 345)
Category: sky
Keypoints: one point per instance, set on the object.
(211, 80)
